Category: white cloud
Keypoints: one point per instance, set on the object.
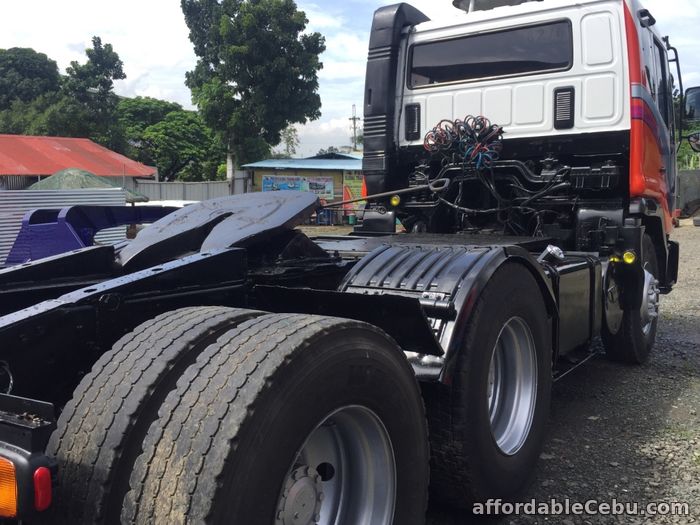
(323, 133)
(150, 36)
(320, 20)
(345, 56)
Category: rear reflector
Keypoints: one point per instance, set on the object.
(8, 489)
(42, 489)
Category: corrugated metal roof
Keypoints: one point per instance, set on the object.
(308, 164)
(14, 205)
(29, 155)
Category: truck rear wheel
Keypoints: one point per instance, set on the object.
(101, 430)
(635, 339)
(488, 426)
(288, 419)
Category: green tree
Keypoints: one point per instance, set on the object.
(257, 71)
(53, 114)
(67, 117)
(30, 86)
(251, 149)
(183, 147)
(687, 158)
(328, 150)
(92, 85)
(26, 118)
(290, 142)
(83, 104)
(49, 114)
(134, 116)
(26, 75)
(94, 80)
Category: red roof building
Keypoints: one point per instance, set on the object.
(23, 155)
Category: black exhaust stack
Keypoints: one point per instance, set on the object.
(380, 93)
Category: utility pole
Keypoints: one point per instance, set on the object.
(354, 119)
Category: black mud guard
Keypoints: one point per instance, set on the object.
(447, 281)
(672, 267)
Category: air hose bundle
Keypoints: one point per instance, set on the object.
(475, 144)
(471, 147)
(478, 142)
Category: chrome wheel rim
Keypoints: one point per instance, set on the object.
(512, 386)
(344, 473)
(650, 302)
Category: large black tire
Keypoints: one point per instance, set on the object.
(227, 438)
(631, 345)
(101, 430)
(467, 464)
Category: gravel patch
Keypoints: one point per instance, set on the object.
(630, 433)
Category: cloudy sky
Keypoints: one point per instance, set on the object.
(151, 38)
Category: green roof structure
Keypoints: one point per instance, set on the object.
(77, 179)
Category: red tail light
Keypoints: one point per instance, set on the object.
(42, 489)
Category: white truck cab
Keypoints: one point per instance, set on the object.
(584, 86)
(538, 69)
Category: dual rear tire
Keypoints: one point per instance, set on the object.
(101, 430)
(265, 418)
(204, 414)
(487, 428)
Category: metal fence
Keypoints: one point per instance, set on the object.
(185, 191)
(17, 182)
(15, 204)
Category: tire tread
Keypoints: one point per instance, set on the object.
(453, 479)
(224, 386)
(94, 430)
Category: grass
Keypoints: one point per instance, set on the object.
(689, 162)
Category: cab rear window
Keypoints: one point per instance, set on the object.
(516, 51)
